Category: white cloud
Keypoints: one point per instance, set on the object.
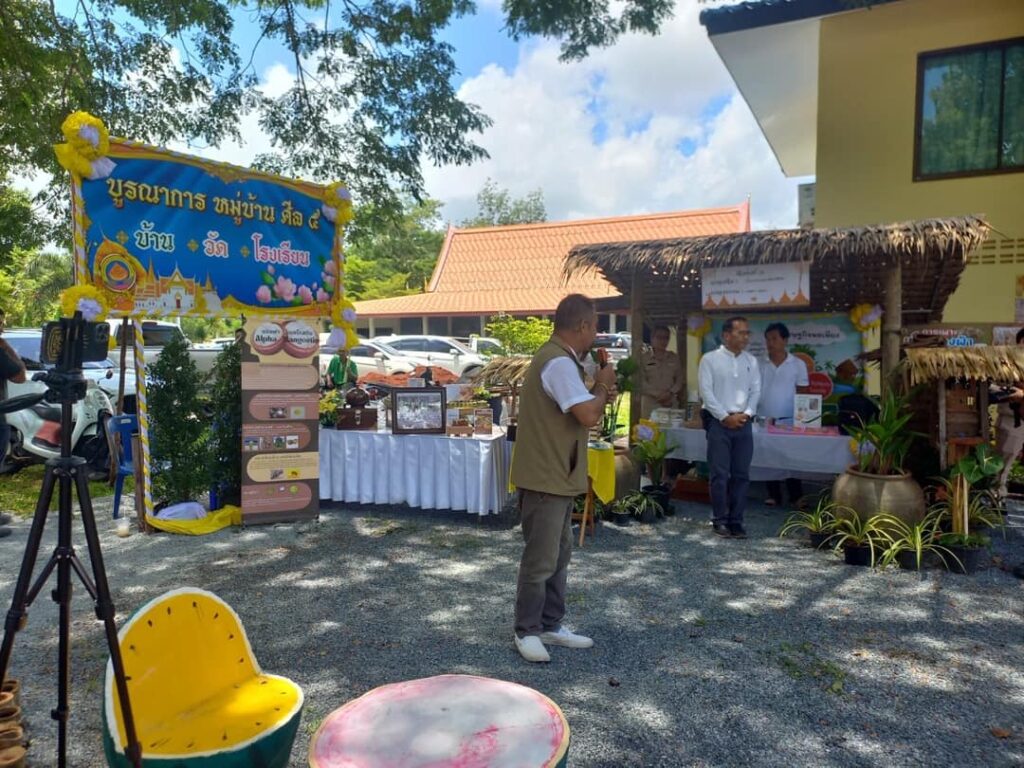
(602, 137)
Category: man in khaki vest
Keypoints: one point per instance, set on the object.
(549, 467)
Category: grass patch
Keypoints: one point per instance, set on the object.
(801, 661)
(19, 491)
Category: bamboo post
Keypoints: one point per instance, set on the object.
(892, 322)
(943, 444)
(636, 320)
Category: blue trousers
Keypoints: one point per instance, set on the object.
(729, 454)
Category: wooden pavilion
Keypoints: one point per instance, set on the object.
(911, 268)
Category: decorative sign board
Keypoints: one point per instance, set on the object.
(783, 285)
(806, 411)
(280, 422)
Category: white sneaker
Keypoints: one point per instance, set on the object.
(566, 638)
(531, 648)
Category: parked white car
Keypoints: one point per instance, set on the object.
(105, 373)
(371, 357)
(442, 351)
(482, 345)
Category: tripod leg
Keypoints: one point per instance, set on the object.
(62, 596)
(105, 612)
(19, 605)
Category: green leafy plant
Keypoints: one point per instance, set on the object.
(640, 505)
(873, 532)
(625, 381)
(920, 538)
(821, 519)
(650, 448)
(885, 440)
(520, 335)
(967, 540)
(226, 427)
(178, 428)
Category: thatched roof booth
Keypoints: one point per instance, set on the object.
(998, 364)
(847, 265)
(912, 268)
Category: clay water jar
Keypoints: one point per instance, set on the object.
(12, 736)
(12, 687)
(9, 715)
(12, 757)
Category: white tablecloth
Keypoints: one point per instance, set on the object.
(775, 456)
(425, 471)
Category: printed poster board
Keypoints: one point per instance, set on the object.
(782, 285)
(806, 411)
(280, 422)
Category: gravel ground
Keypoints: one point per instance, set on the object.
(709, 652)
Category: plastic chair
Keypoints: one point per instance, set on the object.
(125, 426)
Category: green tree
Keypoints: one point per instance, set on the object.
(20, 227)
(30, 285)
(393, 257)
(178, 428)
(520, 335)
(205, 328)
(496, 207)
(371, 99)
(226, 428)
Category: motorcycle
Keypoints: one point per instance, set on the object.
(36, 430)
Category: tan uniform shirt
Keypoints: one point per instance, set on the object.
(660, 375)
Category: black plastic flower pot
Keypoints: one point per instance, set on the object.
(857, 555)
(648, 515)
(964, 560)
(907, 560)
(659, 493)
(621, 518)
(818, 539)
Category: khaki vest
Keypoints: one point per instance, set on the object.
(550, 453)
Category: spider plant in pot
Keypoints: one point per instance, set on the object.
(620, 511)
(642, 506)
(819, 523)
(879, 480)
(862, 538)
(650, 448)
(912, 545)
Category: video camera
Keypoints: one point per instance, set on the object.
(69, 342)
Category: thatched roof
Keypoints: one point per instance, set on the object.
(847, 264)
(503, 371)
(999, 364)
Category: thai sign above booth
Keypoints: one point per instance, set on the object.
(785, 285)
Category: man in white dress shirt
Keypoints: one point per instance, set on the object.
(730, 387)
(782, 377)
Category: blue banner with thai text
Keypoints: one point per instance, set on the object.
(173, 235)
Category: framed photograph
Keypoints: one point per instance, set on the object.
(418, 411)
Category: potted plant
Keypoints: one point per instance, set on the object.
(819, 523)
(862, 538)
(969, 503)
(330, 402)
(620, 511)
(912, 544)
(650, 447)
(879, 481)
(642, 506)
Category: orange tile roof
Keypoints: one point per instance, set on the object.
(518, 269)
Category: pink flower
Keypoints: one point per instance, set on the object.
(322, 295)
(305, 294)
(329, 280)
(331, 268)
(270, 268)
(263, 294)
(284, 288)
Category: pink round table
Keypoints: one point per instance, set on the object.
(449, 721)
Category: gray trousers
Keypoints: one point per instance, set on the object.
(729, 454)
(540, 588)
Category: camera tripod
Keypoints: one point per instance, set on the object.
(66, 386)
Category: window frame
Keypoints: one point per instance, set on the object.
(919, 108)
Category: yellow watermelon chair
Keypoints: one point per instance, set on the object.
(198, 695)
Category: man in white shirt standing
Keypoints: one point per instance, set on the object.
(782, 377)
(730, 387)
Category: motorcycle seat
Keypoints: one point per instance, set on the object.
(47, 412)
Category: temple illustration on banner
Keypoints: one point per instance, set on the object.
(139, 290)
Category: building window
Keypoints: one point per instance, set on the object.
(970, 111)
